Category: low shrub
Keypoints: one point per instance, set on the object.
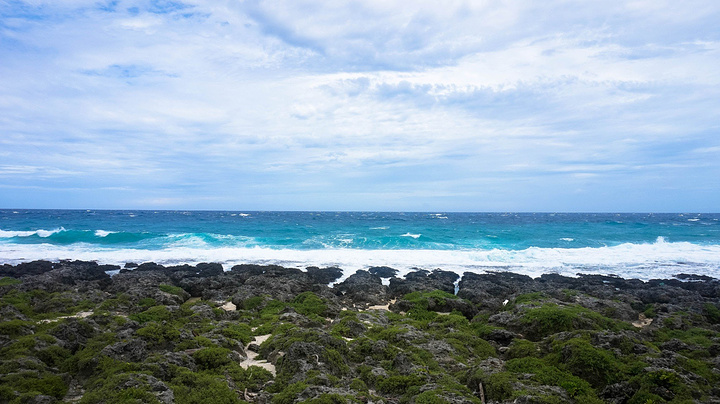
(212, 358)
(173, 290)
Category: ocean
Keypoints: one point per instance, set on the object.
(635, 245)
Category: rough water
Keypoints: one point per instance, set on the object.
(629, 245)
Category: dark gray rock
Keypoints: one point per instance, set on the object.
(73, 333)
(41, 399)
(424, 281)
(403, 364)
(363, 288)
(145, 284)
(502, 337)
(26, 269)
(302, 357)
(149, 266)
(323, 276)
(383, 272)
(618, 393)
(491, 289)
(134, 350)
(167, 364)
(142, 381)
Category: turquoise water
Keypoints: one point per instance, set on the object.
(639, 245)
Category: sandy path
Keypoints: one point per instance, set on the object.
(251, 361)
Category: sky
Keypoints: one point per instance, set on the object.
(552, 105)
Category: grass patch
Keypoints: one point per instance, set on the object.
(8, 281)
(548, 319)
(173, 290)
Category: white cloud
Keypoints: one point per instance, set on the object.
(283, 93)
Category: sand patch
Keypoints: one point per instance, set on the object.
(259, 339)
(229, 306)
(385, 307)
(251, 361)
(82, 314)
(642, 321)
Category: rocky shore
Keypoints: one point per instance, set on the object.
(69, 332)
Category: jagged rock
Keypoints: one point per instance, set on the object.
(298, 319)
(73, 333)
(618, 393)
(438, 348)
(335, 363)
(167, 363)
(149, 266)
(674, 345)
(378, 372)
(280, 283)
(363, 287)
(323, 276)
(313, 392)
(502, 337)
(383, 272)
(203, 311)
(141, 381)
(24, 269)
(607, 307)
(302, 357)
(423, 280)
(491, 289)
(41, 399)
(355, 329)
(146, 284)
(11, 313)
(134, 350)
(403, 364)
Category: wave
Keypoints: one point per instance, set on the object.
(28, 233)
(103, 233)
(660, 259)
(62, 236)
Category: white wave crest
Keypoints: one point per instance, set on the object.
(10, 233)
(103, 233)
(28, 233)
(642, 261)
(411, 235)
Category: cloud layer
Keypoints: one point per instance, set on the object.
(372, 105)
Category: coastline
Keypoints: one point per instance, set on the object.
(427, 337)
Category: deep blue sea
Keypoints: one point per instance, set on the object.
(630, 245)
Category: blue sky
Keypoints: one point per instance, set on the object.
(360, 105)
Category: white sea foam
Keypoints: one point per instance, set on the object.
(28, 233)
(10, 233)
(411, 235)
(693, 220)
(567, 239)
(380, 228)
(103, 233)
(660, 259)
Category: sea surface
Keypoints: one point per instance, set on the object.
(643, 246)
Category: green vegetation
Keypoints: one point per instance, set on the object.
(173, 290)
(541, 347)
(550, 318)
(8, 281)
